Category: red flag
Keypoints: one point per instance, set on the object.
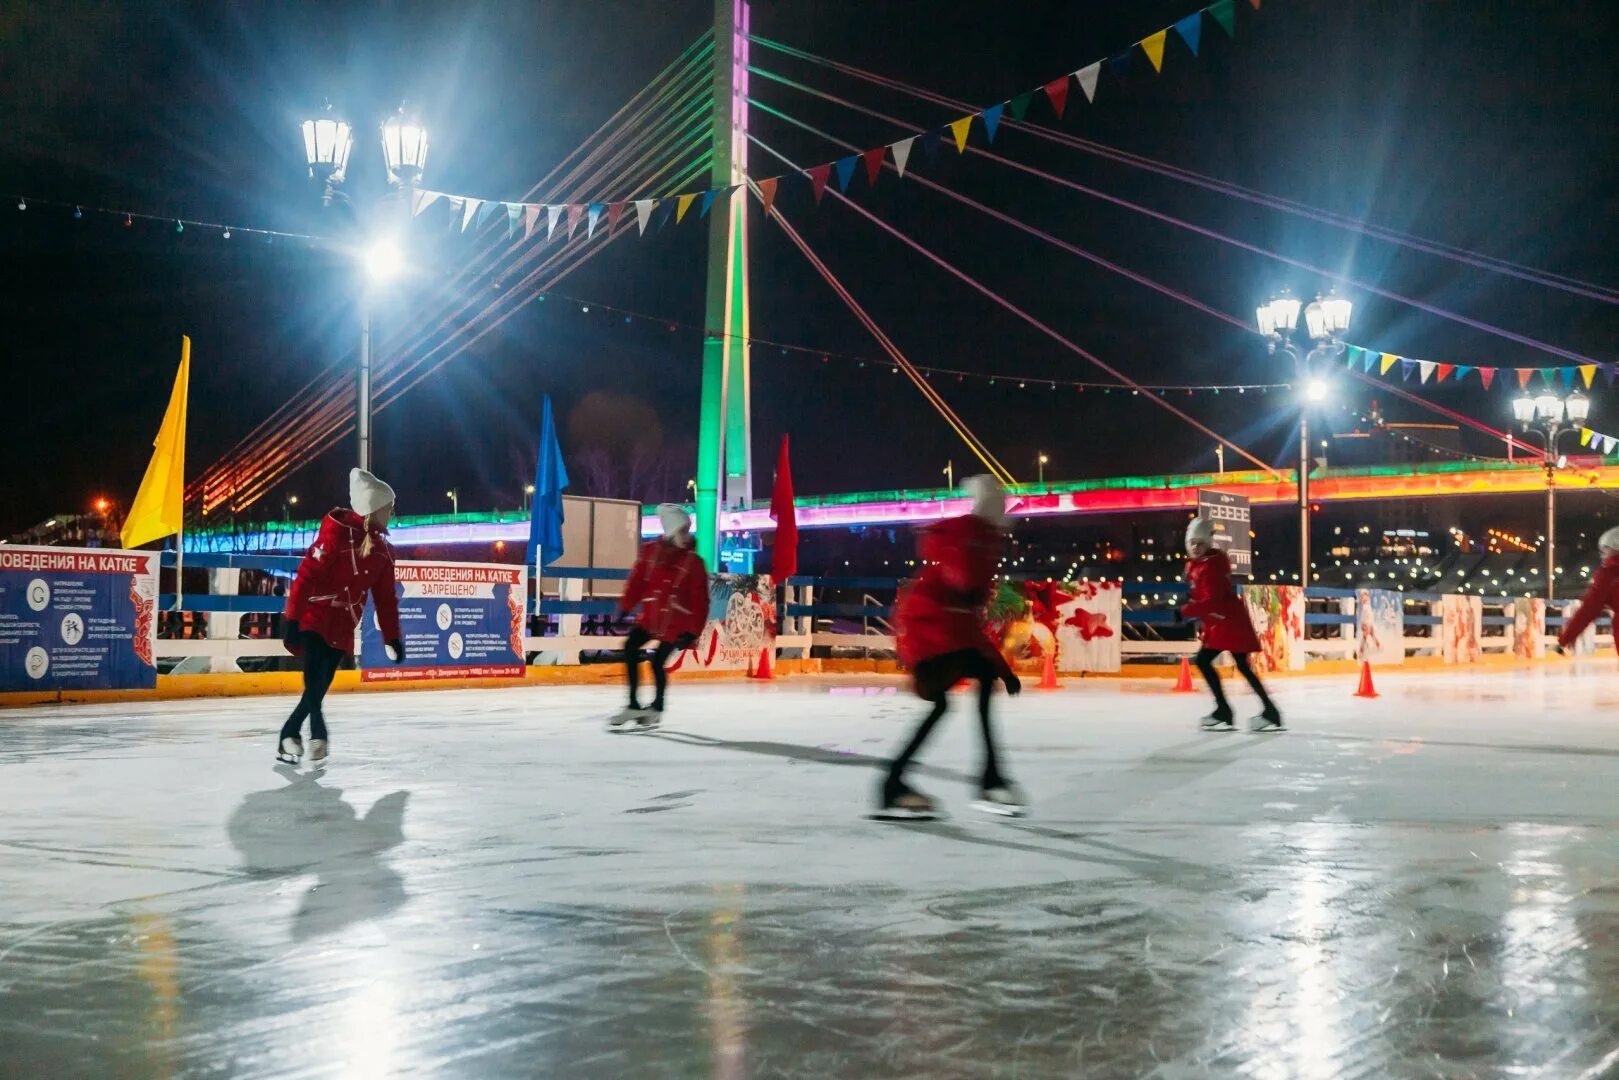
(874, 163)
(818, 175)
(767, 193)
(1523, 377)
(1485, 374)
(1057, 91)
(614, 212)
(784, 563)
(1445, 370)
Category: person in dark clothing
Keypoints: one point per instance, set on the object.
(350, 559)
(670, 585)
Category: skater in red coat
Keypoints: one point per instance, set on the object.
(943, 639)
(670, 583)
(1602, 593)
(1225, 627)
(350, 559)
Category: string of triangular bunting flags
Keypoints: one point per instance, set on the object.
(1376, 362)
(467, 211)
(1605, 444)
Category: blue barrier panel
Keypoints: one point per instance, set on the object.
(843, 611)
(1496, 620)
(235, 604)
(1327, 592)
(1153, 618)
(1424, 620)
(1313, 618)
(278, 564)
(585, 572)
(578, 607)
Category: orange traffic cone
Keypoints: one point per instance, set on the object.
(765, 670)
(1366, 689)
(1048, 674)
(1183, 684)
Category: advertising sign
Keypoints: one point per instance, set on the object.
(1232, 525)
(459, 620)
(741, 626)
(77, 618)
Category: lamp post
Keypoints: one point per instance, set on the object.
(1042, 463)
(454, 495)
(328, 139)
(287, 505)
(1325, 320)
(950, 474)
(1544, 415)
(528, 493)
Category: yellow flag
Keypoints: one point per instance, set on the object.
(959, 129)
(1154, 48)
(1388, 362)
(1587, 372)
(682, 205)
(160, 503)
(1585, 436)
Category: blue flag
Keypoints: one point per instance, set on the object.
(550, 477)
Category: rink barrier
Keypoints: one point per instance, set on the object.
(829, 624)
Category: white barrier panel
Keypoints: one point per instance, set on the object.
(1278, 615)
(1379, 625)
(1463, 625)
(1529, 629)
(741, 626)
(1089, 626)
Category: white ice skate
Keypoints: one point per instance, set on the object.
(627, 720)
(317, 751)
(1218, 722)
(649, 720)
(1267, 722)
(291, 751)
(1003, 801)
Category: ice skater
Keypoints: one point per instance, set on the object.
(1603, 592)
(670, 583)
(1224, 627)
(943, 638)
(350, 557)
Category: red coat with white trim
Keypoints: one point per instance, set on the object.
(1224, 617)
(328, 593)
(670, 583)
(1603, 592)
(942, 611)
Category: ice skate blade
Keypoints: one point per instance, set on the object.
(895, 814)
(999, 809)
(1259, 727)
(1217, 727)
(285, 759)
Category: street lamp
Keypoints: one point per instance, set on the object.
(288, 504)
(528, 493)
(1326, 318)
(1043, 461)
(327, 142)
(454, 495)
(1545, 415)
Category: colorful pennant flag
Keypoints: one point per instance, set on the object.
(471, 206)
(874, 163)
(615, 211)
(514, 214)
(1371, 358)
(818, 175)
(1191, 30)
(1585, 436)
(1461, 372)
(1406, 368)
(767, 194)
(643, 211)
(992, 118)
(959, 129)
(1587, 373)
(902, 153)
(422, 200)
(1153, 46)
(930, 143)
(1057, 91)
(1426, 367)
(1019, 105)
(682, 205)
(845, 168)
(708, 200)
(1087, 77)
(1523, 377)
(576, 213)
(1486, 376)
(531, 217)
(552, 213)
(1224, 12)
(593, 213)
(1445, 371)
(1388, 362)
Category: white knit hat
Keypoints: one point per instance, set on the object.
(674, 519)
(1608, 542)
(367, 494)
(1199, 528)
(989, 498)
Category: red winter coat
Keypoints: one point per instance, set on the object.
(1603, 592)
(942, 611)
(328, 594)
(1225, 624)
(670, 583)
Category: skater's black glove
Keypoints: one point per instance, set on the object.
(685, 641)
(1557, 647)
(396, 651)
(289, 632)
(1014, 685)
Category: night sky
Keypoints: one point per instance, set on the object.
(1484, 124)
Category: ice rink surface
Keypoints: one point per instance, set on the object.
(486, 884)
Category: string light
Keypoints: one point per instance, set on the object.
(78, 210)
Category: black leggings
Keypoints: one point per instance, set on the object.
(321, 662)
(934, 678)
(634, 642)
(1205, 663)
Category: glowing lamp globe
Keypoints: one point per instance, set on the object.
(1315, 390)
(1578, 406)
(1280, 315)
(1335, 311)
(1523, 409)
(383, 261)
(404, 145)
(1549, 406)
(327, 142)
